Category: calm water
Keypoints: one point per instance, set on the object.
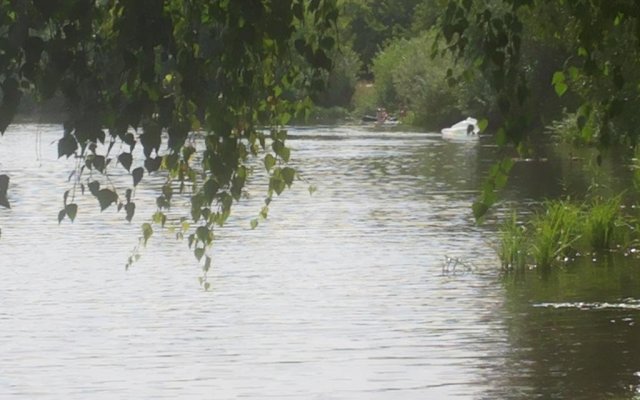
(339, 295)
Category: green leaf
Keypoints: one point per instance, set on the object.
(281, 150)
(254, 223)
(207, 264)
(160, 218)
(558, 82)
(479, 210)
(130, 209)
(277, 185)
(125, 159)
(61, 215)
(147, 231)
(288, 175)
(94, 187)
(71, 210)
(137, 175)
(153, 164)
(4, 187)
(209, 189)
(482, 124)
(99, 163)
(67, 146)
(203, 234)
(106, 197)
(198, 253)
(167, 191)
(269, 162)
(560, 88)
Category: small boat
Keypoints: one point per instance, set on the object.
(463, 130)
(386, 121)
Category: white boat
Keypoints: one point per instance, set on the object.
(463, 130)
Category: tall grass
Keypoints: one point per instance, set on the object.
(512, 249)
(554, 232)
(562, 229)
(601, 223)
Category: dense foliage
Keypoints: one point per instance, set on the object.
(586, 49)
(150, 73)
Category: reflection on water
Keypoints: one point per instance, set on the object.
(575, 333)
(339, 295)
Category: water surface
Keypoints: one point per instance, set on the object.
(338, 295)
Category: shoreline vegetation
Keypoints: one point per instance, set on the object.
(561, 231)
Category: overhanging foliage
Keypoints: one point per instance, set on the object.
(134, 73)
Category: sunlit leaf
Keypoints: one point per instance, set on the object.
(482, 124)
(269, 162)
(147, 231)
(159, 218)
(277, 185)
(558, 82)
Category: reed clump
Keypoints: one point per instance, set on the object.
(564, 229)
(513, 243)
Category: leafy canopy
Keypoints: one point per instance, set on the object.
(150, 73)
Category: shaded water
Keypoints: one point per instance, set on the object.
(339, 295)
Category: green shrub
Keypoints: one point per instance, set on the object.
(408, 77)
(364, 100)
(341, 81)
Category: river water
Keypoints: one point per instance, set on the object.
(343, 294)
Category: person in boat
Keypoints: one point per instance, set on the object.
(381, 115)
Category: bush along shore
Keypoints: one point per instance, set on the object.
(563, 230)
